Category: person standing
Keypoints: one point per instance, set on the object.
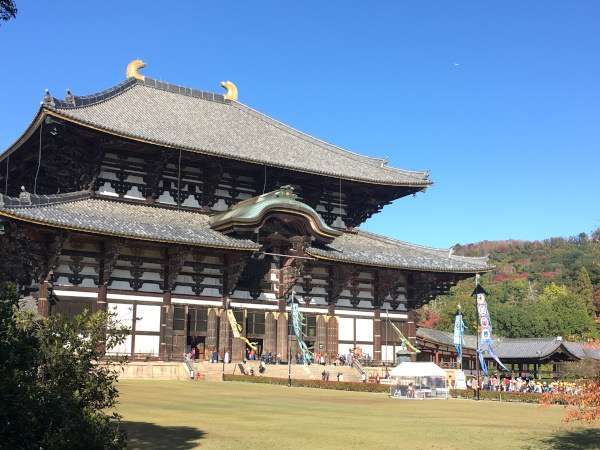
(364, 377)
(226, 359)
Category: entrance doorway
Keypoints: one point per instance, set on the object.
(197, 343)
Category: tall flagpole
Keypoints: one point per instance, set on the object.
(477, 333)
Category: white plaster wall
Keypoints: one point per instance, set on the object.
(364, 330)
(147, 344)
(346, 329)
(148, 318)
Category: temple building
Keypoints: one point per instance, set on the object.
(170, 205)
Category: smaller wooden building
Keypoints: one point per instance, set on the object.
(524, 356)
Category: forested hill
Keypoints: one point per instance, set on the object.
(538, 289)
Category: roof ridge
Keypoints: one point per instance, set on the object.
(27, 200)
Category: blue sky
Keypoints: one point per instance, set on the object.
(499, 100)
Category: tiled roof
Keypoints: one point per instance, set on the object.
(76, 211)
(508, 348)
(584, 349)
(175, 116)
(361, 247)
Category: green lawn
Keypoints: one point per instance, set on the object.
(184, 415)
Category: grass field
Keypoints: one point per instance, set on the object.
(185, 415)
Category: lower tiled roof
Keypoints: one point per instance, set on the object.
(360, 247)
(116, 218)
(77, 211)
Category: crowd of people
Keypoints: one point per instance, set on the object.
(522, 384)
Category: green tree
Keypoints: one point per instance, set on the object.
(8, 9)
(584, 288)
(56, 382)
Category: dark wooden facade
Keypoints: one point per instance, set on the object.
(97, 217)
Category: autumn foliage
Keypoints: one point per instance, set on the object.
(582, 406)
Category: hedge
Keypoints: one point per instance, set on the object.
(501, 396)
(318, 384)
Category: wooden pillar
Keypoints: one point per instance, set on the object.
(437, 354)
(282, 331)
(101, 303)
(166, 334)
(332, 336)
(224, 334)
(321, 338)
(270, 341)
(43, 302)
(212, 335)
(238, 350)
(377, 334)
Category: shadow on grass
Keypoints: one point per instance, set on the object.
(580, 438)
(144, 435)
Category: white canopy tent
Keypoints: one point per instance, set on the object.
(419, 380)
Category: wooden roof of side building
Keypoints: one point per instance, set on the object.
(510, 349)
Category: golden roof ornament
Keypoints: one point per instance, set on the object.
(133, 67)
(232, 93)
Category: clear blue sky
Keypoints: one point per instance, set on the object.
(499, 100)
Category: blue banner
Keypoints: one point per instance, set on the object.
(486, 334)
(459, 328)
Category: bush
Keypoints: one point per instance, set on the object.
(54, 392)
(497, 395)
(317, 384)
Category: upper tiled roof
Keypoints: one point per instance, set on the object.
(361, 247)
(175, 116)
(76, 211)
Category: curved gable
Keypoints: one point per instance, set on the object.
(249, 215)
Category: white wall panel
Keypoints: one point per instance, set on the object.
(147, 344)
(364, 330)
(148, 318)
(346, 329)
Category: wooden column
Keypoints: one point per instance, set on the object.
(321, 337)
(377, 334)
(270, 341)
(43, 302)
(166, 334)
(102, 298)
(332, 336)
(282, 335)
(224, 334)
(212, 337)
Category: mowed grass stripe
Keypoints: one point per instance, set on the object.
(182, 414)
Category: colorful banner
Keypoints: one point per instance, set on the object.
(236, 328)
(459, 328)
(486, 332)
(404, 340)
(297, 322)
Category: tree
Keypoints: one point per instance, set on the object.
(8, 10)
(584, 288)
(57, 384)
(582, 406)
